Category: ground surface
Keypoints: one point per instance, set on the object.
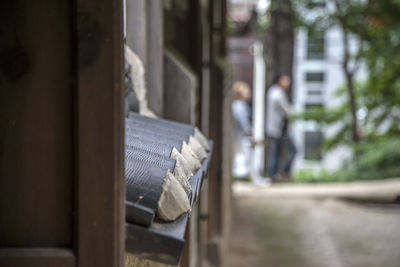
(291, 225)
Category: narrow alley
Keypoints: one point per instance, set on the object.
(323, 225)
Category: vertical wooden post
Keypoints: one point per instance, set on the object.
(99, 133)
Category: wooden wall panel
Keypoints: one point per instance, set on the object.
(180, 83)
(155, 56)
(61, 133)
(37, 257)
(136, 27)
(35, 124)
(145, 36)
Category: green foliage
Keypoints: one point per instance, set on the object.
(378, 159)
(231, 26)
(330, 116)
(310, 176)
(351, 14)
(382, 89)
(239, 28)
(262, 25)
(377, 27)
(348, 15)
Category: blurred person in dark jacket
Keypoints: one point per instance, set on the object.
(277, 127)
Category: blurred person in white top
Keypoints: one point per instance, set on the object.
(241, 110)
(242, 128)
(243, 160)
(277, 128)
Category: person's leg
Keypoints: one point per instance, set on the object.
(273, 156)
(290, 156)
(239, 167)
(246, 145)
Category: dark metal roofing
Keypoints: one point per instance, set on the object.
(148, 146)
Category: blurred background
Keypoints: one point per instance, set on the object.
(339, 203)
(342, 60)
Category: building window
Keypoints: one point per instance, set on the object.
(314, 84)
(311, 105)
(315, 77)
(315, 45)
(313, 145)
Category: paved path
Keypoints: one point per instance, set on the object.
(292, 225)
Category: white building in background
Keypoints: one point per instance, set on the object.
(317, 75)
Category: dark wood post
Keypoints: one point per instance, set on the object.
(61, 129)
